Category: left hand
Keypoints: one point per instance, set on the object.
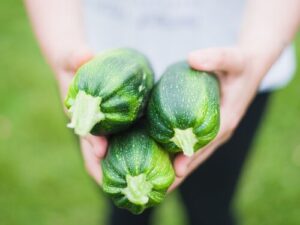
(239, 75)
(93, 148)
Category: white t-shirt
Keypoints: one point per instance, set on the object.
(167, 30)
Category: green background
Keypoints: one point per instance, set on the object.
(42, 178)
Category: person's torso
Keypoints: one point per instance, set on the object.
(167, 30)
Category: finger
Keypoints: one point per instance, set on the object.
(216, 59)
(77, 58)
(180, 164)
(92, 163)
(99, 144)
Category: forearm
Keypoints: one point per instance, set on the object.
(58, 26)
(268, 27)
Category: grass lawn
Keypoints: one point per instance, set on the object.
(42, 179)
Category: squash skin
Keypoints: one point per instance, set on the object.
(184, 98)
(123, 79)
(135, 153)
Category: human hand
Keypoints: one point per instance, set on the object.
(239, 74)
(93, 148)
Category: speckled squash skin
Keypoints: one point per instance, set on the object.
(134, 153)
(184, 99)
(122, 78)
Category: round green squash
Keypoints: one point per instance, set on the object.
(136, 171)
(183, 111)
(109, 92)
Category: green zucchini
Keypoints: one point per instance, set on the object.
(136, 171)
(109, 92)
(183, 111)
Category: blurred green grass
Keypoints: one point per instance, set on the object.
(42, 178)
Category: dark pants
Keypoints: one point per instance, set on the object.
(208, 192)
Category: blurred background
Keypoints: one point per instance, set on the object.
(42, 178)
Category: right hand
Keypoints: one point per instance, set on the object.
(93, 148)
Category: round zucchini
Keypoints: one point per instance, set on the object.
(136, 171)
(109, 92)
(183, 111)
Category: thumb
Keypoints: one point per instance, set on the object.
(216, 59)
(77, 58)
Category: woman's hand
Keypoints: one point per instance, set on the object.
(58, 26)
(93, 148)
(268, 27)
(239, 75)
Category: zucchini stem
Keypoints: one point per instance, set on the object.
(137, 189)
(185, 139)
(85, 113)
